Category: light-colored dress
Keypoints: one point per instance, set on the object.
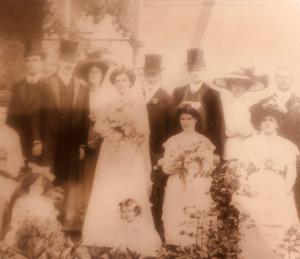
(269, 223)
(187, 195)
(237, 121)
(122, 172)
(10, 162)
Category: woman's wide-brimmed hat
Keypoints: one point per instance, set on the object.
(259, 112)
(93, 60)
(245, 75)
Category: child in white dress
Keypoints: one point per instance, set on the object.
(133, 231)
(238, 93)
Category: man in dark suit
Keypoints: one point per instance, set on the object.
(24, 100)
(201, 97)
(64, 129)
(159, 108)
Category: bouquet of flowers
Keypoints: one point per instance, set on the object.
(118, 124)
(192, 158)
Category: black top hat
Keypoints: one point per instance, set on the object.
(34, 47)
(152, 64)
(68, 49)
(195, 59)
(94, 60)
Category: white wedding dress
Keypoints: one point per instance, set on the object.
(122, 172)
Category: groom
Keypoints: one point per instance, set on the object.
(158, 107)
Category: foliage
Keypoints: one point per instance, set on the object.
(222, 236)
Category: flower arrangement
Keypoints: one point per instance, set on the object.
(117, 124)
(192, 158)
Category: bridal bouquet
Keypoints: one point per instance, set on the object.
(118, 124)
(193, 158)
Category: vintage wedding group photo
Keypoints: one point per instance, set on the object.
(135, 129)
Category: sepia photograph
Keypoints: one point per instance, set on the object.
(143, 129)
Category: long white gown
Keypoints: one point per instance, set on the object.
(188, 196)
(122, 172)
(269, 224)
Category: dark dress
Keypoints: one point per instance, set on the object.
(20, 115)
(64, 127)
(159, 114)
(211, 122)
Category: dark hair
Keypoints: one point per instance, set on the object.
(259, 113)
(84, 71)
(122, 70)
(187, 110)
(137, 209)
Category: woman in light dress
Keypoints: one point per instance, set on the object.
(269, 224)
(11, 161)
(239, 90)
(188, 159)
(92, 72)
(123, 168)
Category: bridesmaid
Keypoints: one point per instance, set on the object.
(92, 71)
(269, 224)
(189, 160)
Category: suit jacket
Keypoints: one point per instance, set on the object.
(159, 114)
(24, 101)
(62, 149)
(211, 122)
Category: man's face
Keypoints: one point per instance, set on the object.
(34, 64)
(197, 75)
(284, 80)
(152, 79)
(67, 67)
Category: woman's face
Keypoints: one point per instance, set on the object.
(94, 76)
(187, 122)
(122, 83)
(269, 125)
(237, 89)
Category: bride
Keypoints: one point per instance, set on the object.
(122, 171)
